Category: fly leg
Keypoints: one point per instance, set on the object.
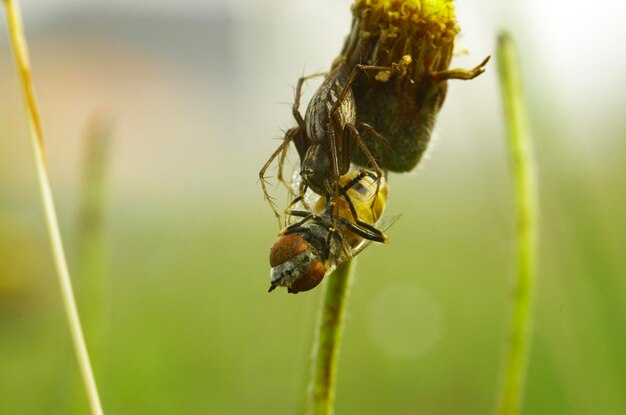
(296, 227)
(361, 228)
(365, 231)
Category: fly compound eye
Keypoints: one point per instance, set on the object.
(295, 264)
(287, 247)
(309, 279)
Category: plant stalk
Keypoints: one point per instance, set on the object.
(328, 332)
(91, 258)
(20, 51)
(523, 172)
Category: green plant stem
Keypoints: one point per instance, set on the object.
(19, 46)
(330, 321)
(91, 227)
(90, 287)
(523, 171)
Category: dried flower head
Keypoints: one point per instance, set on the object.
(411, 43)
(391, 29)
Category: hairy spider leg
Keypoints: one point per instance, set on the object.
(356, 136)
(463, 74)
(354, 130)
(295, 109)
(293, 134)
(289, 136)
(280, 176)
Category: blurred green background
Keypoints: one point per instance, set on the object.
(176, 311)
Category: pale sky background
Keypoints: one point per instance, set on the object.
(228, 67)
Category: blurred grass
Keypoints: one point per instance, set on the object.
(185, 340)
(90, 283)
(21, 58)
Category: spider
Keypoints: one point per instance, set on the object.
(324, 138)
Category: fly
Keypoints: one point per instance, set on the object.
(313, 247)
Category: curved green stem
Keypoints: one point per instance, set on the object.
(522, 164)
(329, 328)
(20, 51)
